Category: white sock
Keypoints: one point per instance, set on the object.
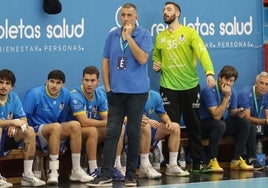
(144, 159)
(92, 165)
(76, 160)
(118, 162)
(173, 158)
(53, 157)
(27, 165)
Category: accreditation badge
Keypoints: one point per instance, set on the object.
(122, 63)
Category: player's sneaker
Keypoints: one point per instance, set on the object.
(80, 175)
(53, 177)
(118, 175)
(149, 172)
(96, 173)
(199, 167)
(30, 180)
(130, 182)
(101, 181)
(4, 183)
(214, 165)
(240, 164)
(256, 165)
(175, 170)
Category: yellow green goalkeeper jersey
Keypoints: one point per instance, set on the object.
(177, 52)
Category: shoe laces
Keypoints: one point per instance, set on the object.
(2, 178)
(151, 169)
(80, 171)
(53, 173)
(30, 177)
(214, 163)
(95, 173)
(117, 171)
(175, 168)
(242, 162)
(35, 179)
(121, 170)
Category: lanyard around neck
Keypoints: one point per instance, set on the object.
(255, 102)
(218, 92)
(123, 48)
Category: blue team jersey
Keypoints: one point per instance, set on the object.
(79, 104)
(154, 105)
(133, 77)
(209, 97)
(12, 109)
(41, 108)
(246, 100)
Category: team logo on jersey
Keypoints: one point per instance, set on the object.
(10, 115)
(61, 106)
(163, 40)
(46, 108)
(76, 104)
(93, 110)
(151, 111)
(181, 38)
(165, 99)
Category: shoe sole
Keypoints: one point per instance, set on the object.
(27, 184)
(202, 171)
(130, 184)
(6, 186)
(179, 175)
(82, 181)
(119, 179)
(260, 168)
(206, 171)
(52, 183)
(100, 185)
(150, 177)
(241, 169)
(196, 171)
(218, 171)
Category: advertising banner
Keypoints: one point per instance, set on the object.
(32, 42)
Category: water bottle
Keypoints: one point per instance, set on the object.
(182, 159)
(260, 156)
(259, 130)
(151, 157)
(156, 157)
(37, 166)
(259, 146)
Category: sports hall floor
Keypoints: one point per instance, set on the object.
(228, 179)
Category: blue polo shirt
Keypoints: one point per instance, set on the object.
(209, 97)
(134, 78)
(246, 100)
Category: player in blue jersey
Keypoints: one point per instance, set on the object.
(254, 99)
(15, 130)
(89, 106)
(154, 130)
(46, 109)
